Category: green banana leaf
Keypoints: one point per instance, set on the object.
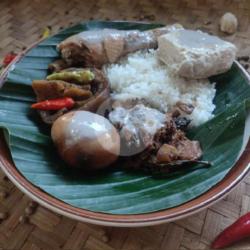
(116, 191)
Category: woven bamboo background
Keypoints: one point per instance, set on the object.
(27, 227)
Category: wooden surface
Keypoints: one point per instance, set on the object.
(21, 23)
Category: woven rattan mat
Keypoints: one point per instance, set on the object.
(22, 23)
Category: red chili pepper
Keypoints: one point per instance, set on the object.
(54, 104)
(237, 231)
(8, 59)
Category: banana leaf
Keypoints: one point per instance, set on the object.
(116, 191)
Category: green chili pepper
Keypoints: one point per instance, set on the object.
(80, 77)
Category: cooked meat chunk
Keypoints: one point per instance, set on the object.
(137, 125)
(185, 107)
(57, 66)
(77, 93)
(189, 150)
(184, 150)
(182, 109)
(167, 132)
(46, 90)
(167, 153)
(157, 138)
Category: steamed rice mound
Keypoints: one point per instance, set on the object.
(141, 75)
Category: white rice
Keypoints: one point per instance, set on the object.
(141, 75)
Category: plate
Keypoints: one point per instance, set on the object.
(119, 198)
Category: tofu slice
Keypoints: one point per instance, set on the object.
(195, 54)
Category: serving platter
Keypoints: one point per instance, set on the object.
(119, 198)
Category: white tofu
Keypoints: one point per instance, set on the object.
(195, 54)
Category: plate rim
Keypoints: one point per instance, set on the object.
(214, 194)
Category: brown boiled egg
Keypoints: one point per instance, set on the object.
(86, 140)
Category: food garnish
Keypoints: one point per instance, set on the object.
(237, 231)
(54, 104)
(79, 76)
(9, 58)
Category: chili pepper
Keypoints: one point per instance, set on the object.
(8, 59)
(81, 76)
(46, 32)
(237, 231)
(54, 104)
